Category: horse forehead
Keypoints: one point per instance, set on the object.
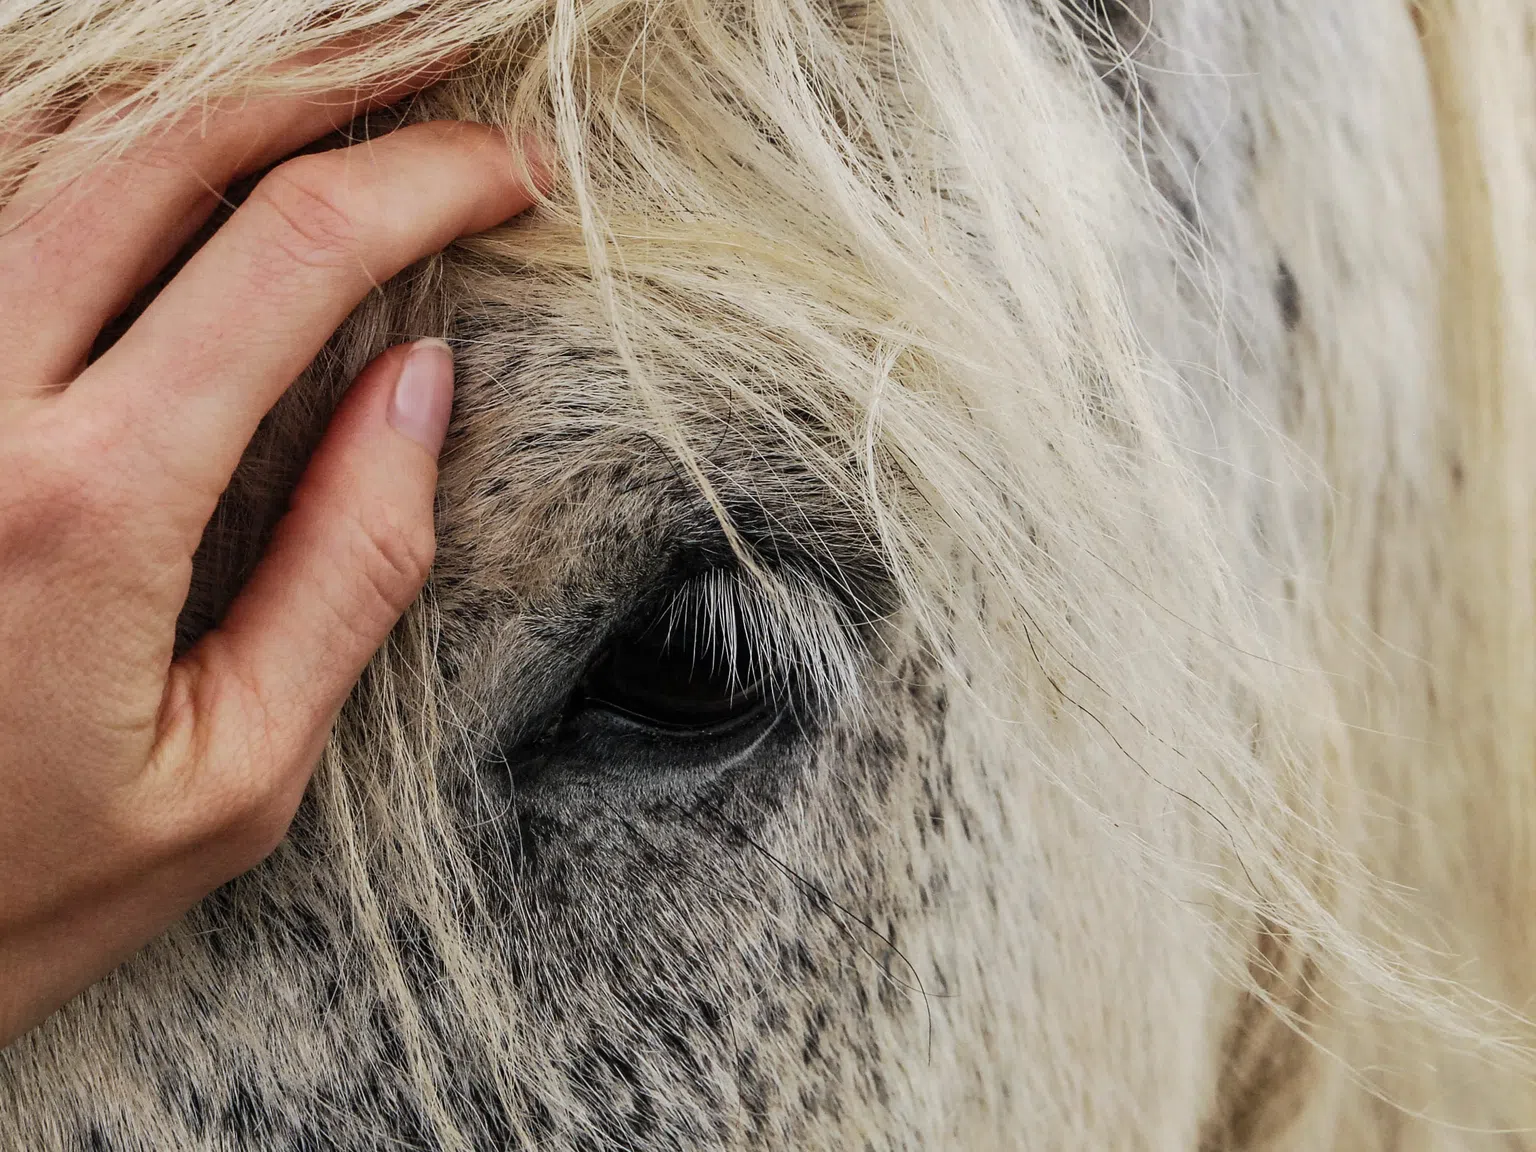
(560, 459)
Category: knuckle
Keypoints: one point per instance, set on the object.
(224, 792)
(255, 831)
(238, 828)
(397, 558)
(46, 488)
(307, 197)
(60, 490)
(382, 559)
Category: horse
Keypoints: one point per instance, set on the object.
(983, 594)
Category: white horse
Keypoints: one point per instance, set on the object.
(984, 596)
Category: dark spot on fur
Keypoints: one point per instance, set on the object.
(624, 1109)
(771, 1017)
(182, 1097)
(795, 960)
(1287, 296)
(245, 1117)
(708, 1015)
(965, 824)
(810, 1049)
(1110, 28)
(1180, 201)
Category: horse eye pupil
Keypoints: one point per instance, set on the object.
(673, 678)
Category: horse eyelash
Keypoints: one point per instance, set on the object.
(780, 631)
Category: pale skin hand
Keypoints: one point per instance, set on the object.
(132, 785)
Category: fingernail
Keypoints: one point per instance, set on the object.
(424, 394)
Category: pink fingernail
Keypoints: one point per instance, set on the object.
(424, 394)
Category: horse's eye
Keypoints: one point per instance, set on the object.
(673, 676)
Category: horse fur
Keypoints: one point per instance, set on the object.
(1101, 422)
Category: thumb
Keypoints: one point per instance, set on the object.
(348, 558)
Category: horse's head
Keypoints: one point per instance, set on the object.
(862, 698)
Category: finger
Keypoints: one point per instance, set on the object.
(345, 562)
(190, 380)
(77, 253)
(26, 132)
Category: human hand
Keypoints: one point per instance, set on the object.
(132, 784)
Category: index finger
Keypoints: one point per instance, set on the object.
(191, 379)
